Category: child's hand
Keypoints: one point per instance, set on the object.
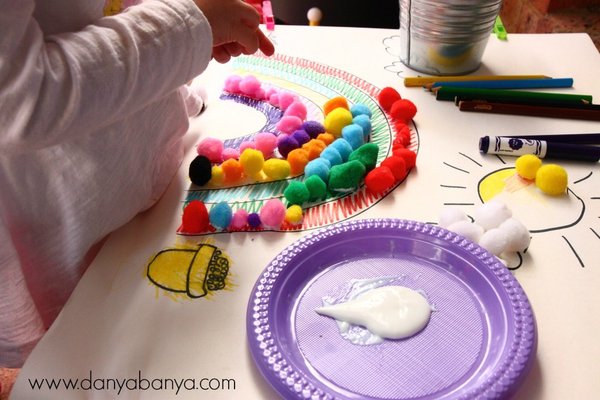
(235, 30)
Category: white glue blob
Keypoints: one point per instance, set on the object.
(392, 312)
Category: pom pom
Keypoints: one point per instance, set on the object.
(365, 124)
(361, 109)
(396, 165)
(298, 109)
(314, 148)
(313, 128)
(274, 99)
(332, 155)
(317, 188)
(220, 215)
(293, 215)
(217, 175)
(277, 169)
(254, 220)
(353, 133)
(527, 166)
(246, 145)
(409, 156)
(239, 219)
(491, 214)
(285, 144)
(249, 85)
(301, 136)
(494, 240)
(252, 162)
(318, 166)
(403, 110)
(232, 84)
(230, 152)
(296, 193)
(343, 147)
(402, 138)
(387, 97)
(272, 213)
(552, 179)
(298, 158)
(259, 94)
(211, 148)
(466, 228)
(265, 142)
(194, 218)
(232, 171)
(450, 215)
(289, 124)
(336, 120)
(518, 235)
(346, 177)
(200, 170)
(334, 103)
(285, 99)
(366, 154)
(326, 138)
(379, 179)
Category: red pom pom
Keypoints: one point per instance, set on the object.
(403, 110)
(409, 156)
(379, 179)
(387, 97)
(195, 218)
(397, 165)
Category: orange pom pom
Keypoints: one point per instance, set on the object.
(314, 148)
(232, 170)
(298, 158)
(326, 138)
(334, 103)
(387, 97)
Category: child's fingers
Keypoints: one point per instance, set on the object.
(264, 44)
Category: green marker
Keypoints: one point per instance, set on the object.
(456, 93)
(499, 29)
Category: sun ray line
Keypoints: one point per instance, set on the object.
(595, 233)
(459, 204)
(500, 158)
(467, 157)
(584, 178)
(453, 186)
(456, 168)
(574, 252)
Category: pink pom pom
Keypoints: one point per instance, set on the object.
(272, 213)
(274, 99)
(270, 91)
(289, 124)
(212, 149)
(232, 84)
(230, 152)
(285, 99)
(239, 219)
(265, 142)
(260, 94)
(249, 85)
(297, 108)
(246, 145)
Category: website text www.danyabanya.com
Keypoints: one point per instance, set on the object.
(140, 383)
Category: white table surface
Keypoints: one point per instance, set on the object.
(116, 323)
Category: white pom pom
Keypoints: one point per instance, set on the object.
(450, 215)
(495, 241)
(314, 15)
(492, 214)
(518, 235)
(467, 229)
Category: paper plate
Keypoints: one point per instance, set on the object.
(479, 343)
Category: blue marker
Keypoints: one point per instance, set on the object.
(543, 83)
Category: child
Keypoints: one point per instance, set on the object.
(92, 124)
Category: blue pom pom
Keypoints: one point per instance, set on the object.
(220, 215)
(332, 155)
(353, 133)
(343, 147)
(361, 109)
(319, 167)
(365, 124)
(301, 136)
(313, 128)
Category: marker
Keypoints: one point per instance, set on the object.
(268, 15)
(516, 147)
(417, 81)
(450, 94)
(506, 84)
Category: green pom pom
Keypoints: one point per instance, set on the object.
(346, 177)
(316, 187)
(296, 193)
(366, 154)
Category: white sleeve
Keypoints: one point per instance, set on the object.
(56, 87)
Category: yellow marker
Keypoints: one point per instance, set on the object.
(419, 81)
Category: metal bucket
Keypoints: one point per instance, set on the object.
(445, 37)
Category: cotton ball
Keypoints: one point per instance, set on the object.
(491, 214)
(518, 235)
(450, 215)
(467, 229)
(495, 241)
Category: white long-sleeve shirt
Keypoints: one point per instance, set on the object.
(91, 122)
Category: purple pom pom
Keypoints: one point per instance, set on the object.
(313, 128)
(285, 144)
(254, 220)
(301, 136)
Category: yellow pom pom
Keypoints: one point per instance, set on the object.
(527, 166)
(252, 161)
(293, 215)
(551, 179)
(276, 168)
(217, 176)
(336, 120)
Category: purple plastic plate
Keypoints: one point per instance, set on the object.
(479, 343)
